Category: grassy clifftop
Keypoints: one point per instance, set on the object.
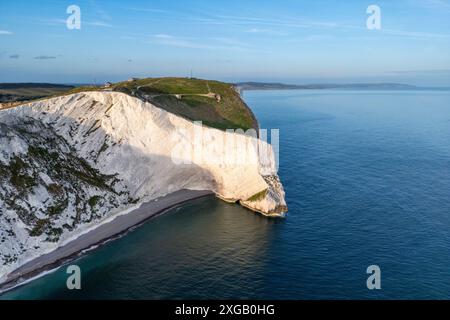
(215, 103)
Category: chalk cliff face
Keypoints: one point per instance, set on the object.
(72, 162)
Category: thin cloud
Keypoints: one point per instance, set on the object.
(286, 22)
(97, 24)
(163, 36)
(5, 32)
(87, 23)
(229, 41)
(414, 34)
(440, 5)
(399, 33)
(314, 38)
(258, 25)
(102, 13)
(265, 31)
(251, 21)
(14, 56)
(152, 10)
(194, 43)
(44, 57)
(258, 30)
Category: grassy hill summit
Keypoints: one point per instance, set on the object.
(215, 103)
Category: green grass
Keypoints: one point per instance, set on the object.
(55, 189)
(39, 227)
(23, 92)
(165, 86)
(93, 201)
(258, 196)
(19, 177)
(83, 89)
(58, 208)
(230, 113)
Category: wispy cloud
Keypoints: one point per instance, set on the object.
(229, 42)
(14, 56)
(163, 36)
(311, 38)
(152, 10)
(265, 31)
(83, 23)
(257, 22)
(197, 43)
(258, 30)
(441, 5)
(97, 24)
(44, 57)
(280, 25)
(414, 34)
(100, 11)
(5, 32)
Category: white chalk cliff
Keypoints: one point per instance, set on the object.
(72, 162)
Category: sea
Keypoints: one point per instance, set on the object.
(367, 182)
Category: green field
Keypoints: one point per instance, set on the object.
(12, 92)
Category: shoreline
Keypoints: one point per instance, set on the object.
(95, 238)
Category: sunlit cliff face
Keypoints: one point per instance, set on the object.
(69, 163)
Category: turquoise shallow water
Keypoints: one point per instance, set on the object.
(367, 180)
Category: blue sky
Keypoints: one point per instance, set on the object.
(290, 40)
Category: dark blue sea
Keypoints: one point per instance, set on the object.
(367, 181)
